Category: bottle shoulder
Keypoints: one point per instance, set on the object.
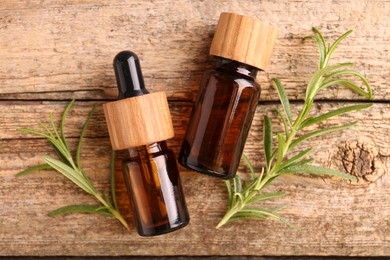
(225, 78)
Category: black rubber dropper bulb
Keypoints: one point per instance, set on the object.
(129, 75)
(150, 170)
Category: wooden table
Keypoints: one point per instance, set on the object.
(54, 51)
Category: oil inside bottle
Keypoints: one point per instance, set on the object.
(220, 119)
(153, 186)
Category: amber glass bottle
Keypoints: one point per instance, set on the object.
(227, 97)
(220, 120)
(140, 123)
(153, 186)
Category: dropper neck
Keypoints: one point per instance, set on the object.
(236, 67)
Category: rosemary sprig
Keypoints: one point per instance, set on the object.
(72, 170)
(243, 194)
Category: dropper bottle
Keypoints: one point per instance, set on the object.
(228, 95)
(139, 123)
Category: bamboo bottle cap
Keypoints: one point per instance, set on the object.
(243, 39)
(138, 120)
(138, 117)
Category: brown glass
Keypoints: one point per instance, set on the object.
(220, 120)
(154, 189)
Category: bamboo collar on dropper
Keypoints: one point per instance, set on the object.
(138, 118)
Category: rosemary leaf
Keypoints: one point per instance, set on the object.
(281, 145)
(28, 131)
(64, 115)
(332, 48)
(311, 169)
(295, 158)
(321, 132)
(78, 152)
(348, 84)
(237, 185)
(269, 213)
(43, 166)
(69, 173)
(336, 112)
(283, 99)
(356, 74)
(266, 196)
(250, 166)
(286, 130)
(267, 137)
(80, 209)
(230, 194)
(322, 48)
(112, 180)
(314, 84)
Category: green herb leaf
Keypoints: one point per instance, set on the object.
(336, 112)
(333, 47)
(269, 213)
(311, 169)
(80, 209)
(321, 46)
(230, 193)
(267, 137)
(35, 168)
(314, 84)
(237, 184)
(295, 158)
(64, 115)
(69, 173)
(54, 127)
(321, 132)
(281, 144)
(250, 166)
(356, 74)
(348, 84)
(112, 180)
(82, 136)
(284, 123)
(242, 215)
(283, 99)
(266, 197)
(28, 131)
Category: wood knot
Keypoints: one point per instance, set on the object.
(360, 159)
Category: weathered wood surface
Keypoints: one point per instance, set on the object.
(54, 51)
(68, 46)
(335, 217)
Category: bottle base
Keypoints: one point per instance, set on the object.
(204, 170)
(163, 229)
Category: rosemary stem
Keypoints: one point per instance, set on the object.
(114, 212)
(229, 214)
(290, 138)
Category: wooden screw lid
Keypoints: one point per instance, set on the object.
(137, 121)
(243, 39)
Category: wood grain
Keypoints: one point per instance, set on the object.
(54, 51)
(335, 217)
(244, 39)
(138, 121)
(64, 49)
